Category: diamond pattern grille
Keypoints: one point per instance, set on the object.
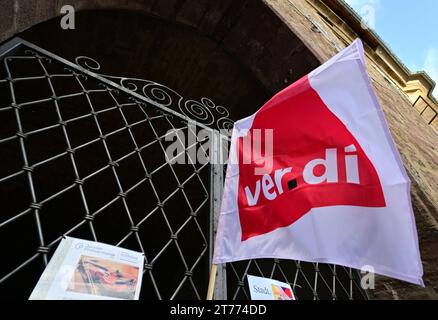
(81, 158)
(84, 157)
(309, 281)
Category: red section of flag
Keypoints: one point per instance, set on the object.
(311, 141)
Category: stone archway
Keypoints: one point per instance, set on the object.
(248, 31)
(236, 52)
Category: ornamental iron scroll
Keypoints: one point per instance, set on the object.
(204, 111)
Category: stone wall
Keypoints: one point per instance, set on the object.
(416, 141)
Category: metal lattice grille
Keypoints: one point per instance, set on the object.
(309, 281)
(82, 155)
(84, 159)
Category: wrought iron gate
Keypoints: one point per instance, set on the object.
(83, 154)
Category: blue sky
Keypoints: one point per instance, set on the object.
(409, 28)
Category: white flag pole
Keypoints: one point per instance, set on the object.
(212, 282)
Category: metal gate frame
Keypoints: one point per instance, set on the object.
(215, 170)
(216, 187)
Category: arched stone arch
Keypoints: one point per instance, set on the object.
(238, 53)
(249, 32)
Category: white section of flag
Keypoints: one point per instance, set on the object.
(384, 238)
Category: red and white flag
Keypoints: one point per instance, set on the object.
(315, 176)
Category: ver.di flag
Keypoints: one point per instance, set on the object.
(331, 187)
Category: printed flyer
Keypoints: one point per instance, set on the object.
(269, 289)
(87, 270)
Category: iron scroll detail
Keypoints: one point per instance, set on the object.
(204, 111)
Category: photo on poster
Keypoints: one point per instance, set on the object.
(282, 292)
(88, 270)
(104, 277)
(269, 289)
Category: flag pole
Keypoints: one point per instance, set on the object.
(212, 282)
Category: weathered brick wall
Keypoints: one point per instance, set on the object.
(416, 141)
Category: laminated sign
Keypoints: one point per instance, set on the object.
(87, 270)
(314, 175)
(269, 289)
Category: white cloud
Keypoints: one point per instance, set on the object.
(367, 10)
(431, 64)
(359, 4)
